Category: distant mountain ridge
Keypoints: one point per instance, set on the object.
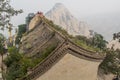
(61, 16)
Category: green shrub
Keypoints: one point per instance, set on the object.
(21, 30)
(111, 63)
(96, 43)
(44, 54)
(28, 46)
(13, 56)
(16, 64)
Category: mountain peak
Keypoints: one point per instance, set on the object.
(59, 4)
(61, 16)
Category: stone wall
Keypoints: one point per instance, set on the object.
(84, 63)
(35, 21)
(72, 68)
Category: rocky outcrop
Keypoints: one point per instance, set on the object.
(114, 44)
(41, 36)
(35, 21)
(61, 16)
(103, 76)
(71, 67)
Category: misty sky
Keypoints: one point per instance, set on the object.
(79, 8)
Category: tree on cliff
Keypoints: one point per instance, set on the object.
(2, 49)
(116, 36)
(111, 63)
(6, 12)
(99, 41)
(21, 31)
(2, 45)
(29, 17)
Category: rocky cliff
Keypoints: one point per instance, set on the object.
(44, 43)
(72, 68)
(115, 44)
(60, 15)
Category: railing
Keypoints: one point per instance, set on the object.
(87, 53)
(47, 63)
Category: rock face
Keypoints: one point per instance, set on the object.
(72, 68)
(115, 44)
(34, 22)
(66, 57)
(62, 17)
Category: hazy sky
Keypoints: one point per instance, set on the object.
(79, 8)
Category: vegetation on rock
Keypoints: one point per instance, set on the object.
(18, 65)
(21, 31)
(13, 64)
(116, 35)
(2, 49)
(111, 63)
(29, 17)
(95, 43)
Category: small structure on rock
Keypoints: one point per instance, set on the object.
(40, 14)
(35, 21)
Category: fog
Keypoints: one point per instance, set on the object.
(79, 8)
